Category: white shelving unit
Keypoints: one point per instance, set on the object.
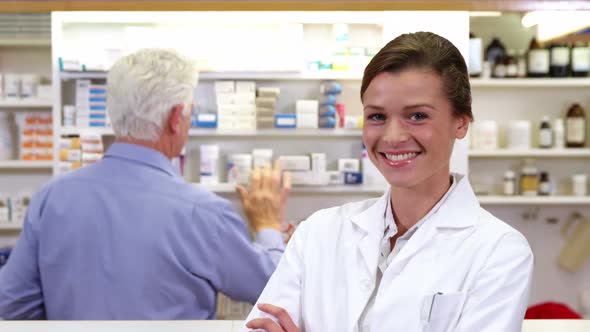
(530, 82)
(10, 227)
(25, 103)
(25, 164)
(229, 188)
(534, 200)
(535, 153)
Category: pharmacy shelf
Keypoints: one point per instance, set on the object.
(531, 82)
(336, 133)
(537, 153)
(10, 227)
(106, 131)
(25, 103)
(201, 132)
(262, 75)
(230, 75)
(25, 164)
(25, 42)
(534, 200)
(229, 188)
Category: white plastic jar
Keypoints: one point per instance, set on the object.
(208, 165)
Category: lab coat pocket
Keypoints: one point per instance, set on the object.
(440, 312)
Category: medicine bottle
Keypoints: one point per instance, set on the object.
(529, 179)
(509, 183)
(537, 60)
(545, 134)
(575, 127)
(560, 60)
(544, 184)
(580, 59)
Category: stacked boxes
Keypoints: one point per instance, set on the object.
(331, 113)
(36, 136)
(235, 104)
(266, 106)
(76, 151)
(91, 104)
(307, 113)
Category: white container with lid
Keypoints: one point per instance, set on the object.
(208, 166)
(579, 184)
(519, 135)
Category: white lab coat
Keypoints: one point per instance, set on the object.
(482, 267)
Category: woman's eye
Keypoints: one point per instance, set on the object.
(418, 116)
(376, 117)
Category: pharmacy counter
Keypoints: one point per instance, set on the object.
(221, 326)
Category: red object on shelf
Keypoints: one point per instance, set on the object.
(551, 310)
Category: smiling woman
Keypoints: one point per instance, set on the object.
(423, 257)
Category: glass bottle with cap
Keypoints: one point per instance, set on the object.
(575, 127)
(545, 134)
(537, 60)
(544, 184)
(509, 183)
(529, 179)
(560, 60)
(580, 59)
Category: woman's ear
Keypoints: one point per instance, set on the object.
(174, 118)
(462, 125)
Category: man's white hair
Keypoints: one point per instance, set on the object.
(142, 88)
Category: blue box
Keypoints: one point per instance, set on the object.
(206, 120)
(285, 121)
(353, 178)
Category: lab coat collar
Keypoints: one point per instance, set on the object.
(459, 211)
(461, 208)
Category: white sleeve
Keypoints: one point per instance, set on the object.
(499, 297)
(284, 287)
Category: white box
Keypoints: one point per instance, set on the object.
(307, 120)
(246, 87)
(245, 98)
(295, 163)
(225, 86)
(349, 165)
(335, 177)
(223, 98)
(299, 178)
(306, 106)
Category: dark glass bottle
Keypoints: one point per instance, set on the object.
(537, 60)
(575, 127)
(544, 184)
(580, 59)
(560, 60)
(495, 53)
(511, 64)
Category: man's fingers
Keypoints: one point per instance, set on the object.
(243, 193)
(281, 314)
(266, 181)
(264, 323)
(286, 186)
(255, 179)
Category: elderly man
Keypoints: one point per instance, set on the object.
(128, 238)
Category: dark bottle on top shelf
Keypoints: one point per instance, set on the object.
(495, 53)
(560, 60)
(537, 60)
(580, 59)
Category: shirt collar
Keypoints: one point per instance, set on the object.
(141, 155)
(390, 226)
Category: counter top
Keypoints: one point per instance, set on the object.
(221, 326)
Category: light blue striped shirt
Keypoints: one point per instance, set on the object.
(128, 238)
